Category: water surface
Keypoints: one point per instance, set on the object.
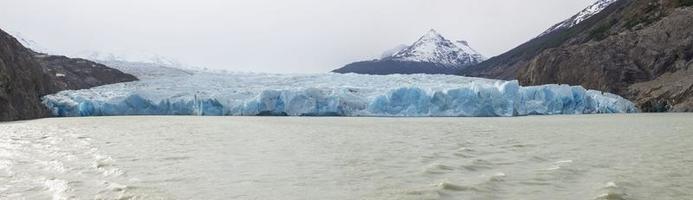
(637, 156)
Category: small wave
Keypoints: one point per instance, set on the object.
(6, 164)
(115, 187)
(465, 152)
(535, 183)
(611, 185)
(429, 193)
(564, 161)
(438, 169)
(57, 187)
(611, 196)
(490, 184)
(54, 165)
(538, 159)
(478, 164)
(112, 172)
(105, 165)
(463, 155)
(558, 165)
(613, 192)
(465, 149)
(498, 177)
(118, 191)
(515, 147)
(454, 187)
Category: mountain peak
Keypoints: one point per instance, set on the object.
(432, 47)
(432, 34)
(430, 54)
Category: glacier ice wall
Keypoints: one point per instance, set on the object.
(332, 95)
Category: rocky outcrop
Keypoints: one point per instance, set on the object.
(22, 82)
(76, 73)
(639, 49)
(672, 91)
(26, 76)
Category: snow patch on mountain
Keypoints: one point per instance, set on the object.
(129, 56)
(581, 16)
(475, 56)
(28, 43)
(393, 51)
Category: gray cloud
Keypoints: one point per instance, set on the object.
(276, 35)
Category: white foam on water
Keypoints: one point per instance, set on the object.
(58, 188)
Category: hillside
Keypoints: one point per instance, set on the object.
(22, 82)
(77, 73)
(640, 49)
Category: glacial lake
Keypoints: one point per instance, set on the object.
(621, 156)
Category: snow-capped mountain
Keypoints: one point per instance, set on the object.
(581, 16)
(434, 48)
(430, 54)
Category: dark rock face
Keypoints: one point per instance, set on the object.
(669, 92)
(639, 49)
(385, 67)
(76, 73)
(26, 76)
(506, 65)
(22, 82)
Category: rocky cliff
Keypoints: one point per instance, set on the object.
(640, 49)
(22, 82)
(26, 76)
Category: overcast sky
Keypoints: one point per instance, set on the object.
(276, 35)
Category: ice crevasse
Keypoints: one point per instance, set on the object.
(244, 94)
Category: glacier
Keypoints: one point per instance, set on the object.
(253, 94)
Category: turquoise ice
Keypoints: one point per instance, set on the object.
(246, 94)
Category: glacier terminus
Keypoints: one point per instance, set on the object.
(252, 94)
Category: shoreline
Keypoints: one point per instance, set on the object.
(605, 115)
